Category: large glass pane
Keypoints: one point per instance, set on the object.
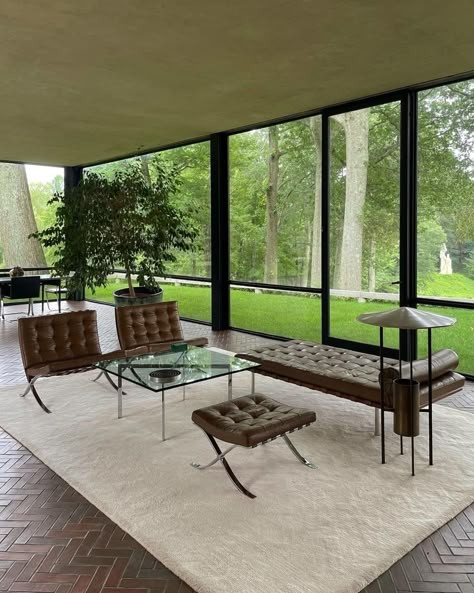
(275, 202)
(458, 337)
(446, 192)
(289, 314)
(364, 219)
(25, 191)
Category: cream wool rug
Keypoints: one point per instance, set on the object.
(329, 530)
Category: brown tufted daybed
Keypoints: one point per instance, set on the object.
(352, 375)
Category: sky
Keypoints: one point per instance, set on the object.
(37, 173)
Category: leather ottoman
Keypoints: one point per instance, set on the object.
(247, 422)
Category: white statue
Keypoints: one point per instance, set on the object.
(446, 266)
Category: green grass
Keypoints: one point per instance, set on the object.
(454, 286)
(298, 316)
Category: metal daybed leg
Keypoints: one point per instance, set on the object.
(228, 469)
(297, 454)
(376, 422)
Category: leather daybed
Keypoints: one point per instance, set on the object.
(352, 375)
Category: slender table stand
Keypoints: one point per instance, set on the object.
(411, 320)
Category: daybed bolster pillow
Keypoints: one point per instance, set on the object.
(443, 361)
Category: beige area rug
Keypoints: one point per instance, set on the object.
(329, 530)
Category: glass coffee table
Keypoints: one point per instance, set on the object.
(162, 371)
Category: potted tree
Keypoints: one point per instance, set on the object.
(128, 221)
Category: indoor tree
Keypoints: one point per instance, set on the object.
(123, 220)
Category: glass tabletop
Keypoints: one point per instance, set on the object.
(193, 365)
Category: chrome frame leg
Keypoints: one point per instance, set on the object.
(31, 387)
(229, 387)
(376, 422)
(2, 308)
(98, 376)
(228, 469)
(215, 460)
(297, 454)
(107, 376)
(163, 435)
(252, 383)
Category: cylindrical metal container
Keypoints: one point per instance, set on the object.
(406, 404)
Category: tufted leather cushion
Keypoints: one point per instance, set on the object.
(251, 420)
(151, 325)
(348, 373)
(50, 339)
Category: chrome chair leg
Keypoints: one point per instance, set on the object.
(98, 376)
(215, 460)
(297, 454)
(102, 372)
(31, 387)
(228, 469)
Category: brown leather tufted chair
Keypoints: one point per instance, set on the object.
(59, 344)
(155, 326)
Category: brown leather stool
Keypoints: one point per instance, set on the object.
(247, 422)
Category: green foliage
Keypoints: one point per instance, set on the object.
(120, 220)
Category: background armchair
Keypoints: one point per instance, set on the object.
(155, 327)
(21, 287)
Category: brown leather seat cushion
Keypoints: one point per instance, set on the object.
(251, 420)
(348, 373)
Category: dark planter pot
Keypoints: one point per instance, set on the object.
(145, 296)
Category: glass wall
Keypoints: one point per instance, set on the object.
(192, 164)
(24, 194)
(364, 219)
(275, 227)
(446, 192)
(275, 204)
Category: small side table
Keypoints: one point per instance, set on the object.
(412, 320)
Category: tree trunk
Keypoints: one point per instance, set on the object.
(306, 272)
(371, 274)
(315, 123)
(271, 218)
(348, 274)
(145, 169)
(17, 220)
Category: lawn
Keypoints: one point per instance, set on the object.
(299, 316)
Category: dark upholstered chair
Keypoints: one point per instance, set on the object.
(22, 287)
(155, 327)
(61, 343)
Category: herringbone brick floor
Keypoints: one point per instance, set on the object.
(52, 540)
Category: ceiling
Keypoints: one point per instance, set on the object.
(96, 79)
